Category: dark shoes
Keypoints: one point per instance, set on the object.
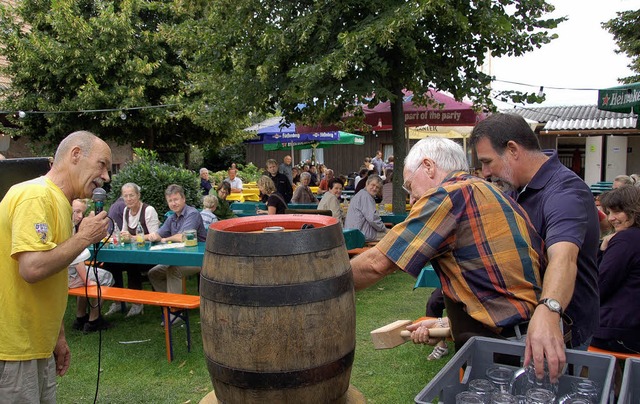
(79, 322)
(96, 325)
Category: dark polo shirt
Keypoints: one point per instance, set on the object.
(188, 219)
(561, 208)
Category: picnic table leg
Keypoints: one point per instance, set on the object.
(186, 321)
(167, 333)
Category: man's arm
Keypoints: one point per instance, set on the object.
(369, 267)
(544, 336)
(61, 353)
(35, 266)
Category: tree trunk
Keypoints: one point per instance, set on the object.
(399, 150)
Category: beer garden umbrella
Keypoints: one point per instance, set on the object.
(317, 140)
(625, 99)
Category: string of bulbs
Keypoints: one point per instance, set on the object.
(123, 115)
(23, 114)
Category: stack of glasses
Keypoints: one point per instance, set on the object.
(504, 386)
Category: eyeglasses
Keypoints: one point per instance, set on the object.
(406, 185)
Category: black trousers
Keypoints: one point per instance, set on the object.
(463, 326)
(134, 274)
(435, 304)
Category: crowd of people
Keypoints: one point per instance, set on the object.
(519, 247)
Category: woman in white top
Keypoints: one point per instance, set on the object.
(135, 212)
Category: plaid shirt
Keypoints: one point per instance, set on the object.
(481, 244)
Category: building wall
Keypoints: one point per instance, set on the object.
(633, 155)
(23, 147)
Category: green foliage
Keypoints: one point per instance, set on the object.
(222, 158)
(247, 173)
(96, 55)
(625, 32)
(328, 55)
(153, 177)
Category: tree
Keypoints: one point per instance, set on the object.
(625, 30)
(109, 57)
(332, 56)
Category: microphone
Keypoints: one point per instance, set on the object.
(99, 196)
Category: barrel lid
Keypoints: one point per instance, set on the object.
(302, 234)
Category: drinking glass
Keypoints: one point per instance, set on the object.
(540, 396)
(500, 377)
(469, 397)
(584, 389)
(503, 398)
(483, 387)
(525, 379)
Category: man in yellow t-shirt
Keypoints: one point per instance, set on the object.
(37, 246)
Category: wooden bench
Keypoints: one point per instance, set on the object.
(171, 303)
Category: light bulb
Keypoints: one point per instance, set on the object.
(21, 114)
(123, 116)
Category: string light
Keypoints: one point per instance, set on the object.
(549, 87)
(23, 114)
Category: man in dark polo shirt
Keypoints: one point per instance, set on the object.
(561, 207)
(282, 183)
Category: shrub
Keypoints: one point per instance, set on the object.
(247, 173)
(153, 177)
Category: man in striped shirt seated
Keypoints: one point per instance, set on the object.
(480, 242)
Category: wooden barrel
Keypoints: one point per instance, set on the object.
(278, 310)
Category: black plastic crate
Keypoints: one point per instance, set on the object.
(477, 356)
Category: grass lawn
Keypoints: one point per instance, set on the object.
(138, 372)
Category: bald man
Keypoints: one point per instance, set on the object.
(37, 246)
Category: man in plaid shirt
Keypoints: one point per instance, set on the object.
(481, 244)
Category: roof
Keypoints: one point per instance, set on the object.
(578, 117)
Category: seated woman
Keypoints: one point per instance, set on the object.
(295, 171)
(135, 213)
(223, 210)
(275, 202)
(362, 213)
(209, 205)
(303, 193)
(79, 275)
(619, 273)
(331, 199)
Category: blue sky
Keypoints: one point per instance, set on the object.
(582, 57)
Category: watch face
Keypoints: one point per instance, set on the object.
(553, 305)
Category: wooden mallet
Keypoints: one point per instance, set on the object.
(394, 334)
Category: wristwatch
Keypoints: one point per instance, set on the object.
(552, 304)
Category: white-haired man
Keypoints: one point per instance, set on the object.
(480, 242)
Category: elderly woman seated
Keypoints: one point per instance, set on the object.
(362, 213)
(303, 193)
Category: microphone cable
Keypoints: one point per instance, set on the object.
(93, 265)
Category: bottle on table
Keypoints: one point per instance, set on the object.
(115, 237)
(140, 236)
